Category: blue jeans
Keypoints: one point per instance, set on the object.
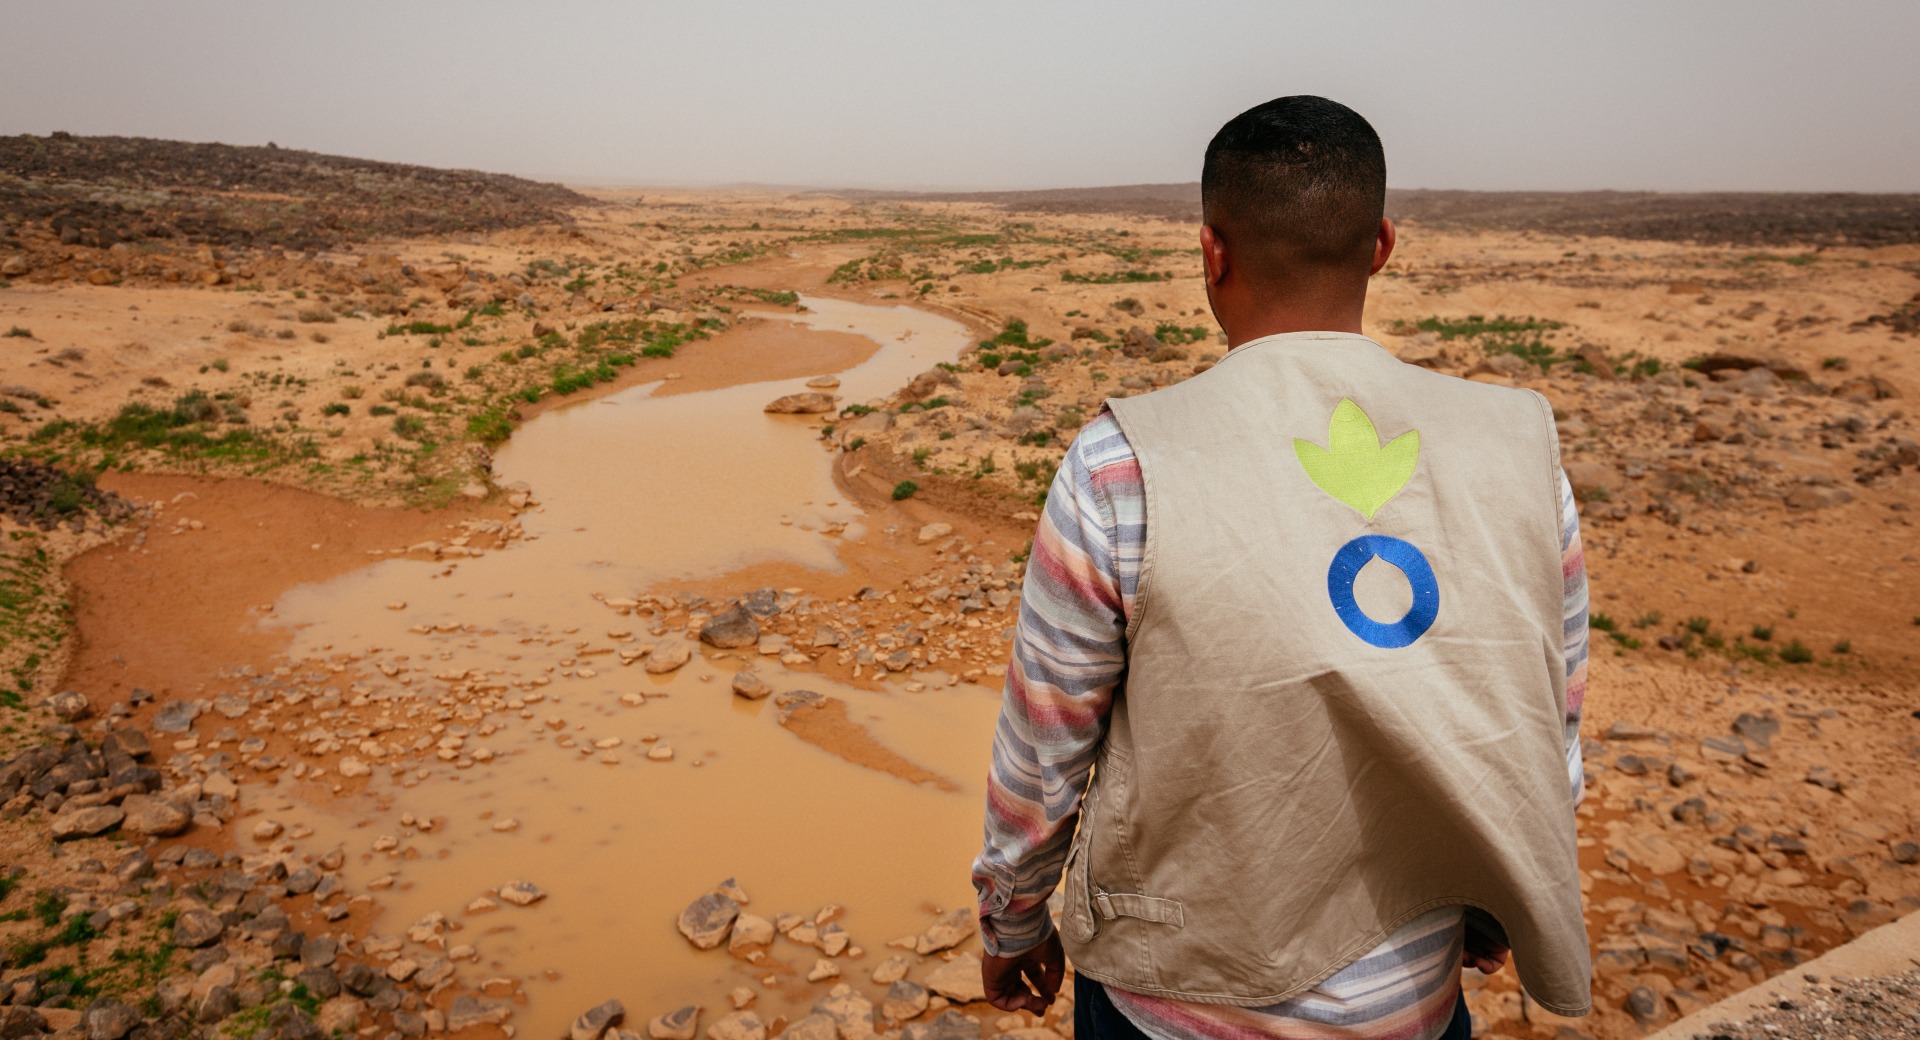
(1095, 1017)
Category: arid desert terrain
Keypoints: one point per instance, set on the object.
(438, 602)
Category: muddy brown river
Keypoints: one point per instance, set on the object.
(634, 489)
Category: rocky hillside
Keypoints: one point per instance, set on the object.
(1709, 218)
(98, 191)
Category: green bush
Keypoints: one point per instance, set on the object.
(904, 490)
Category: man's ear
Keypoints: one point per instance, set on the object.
(1383, 246)
(1213, 253)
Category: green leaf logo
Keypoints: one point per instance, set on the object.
(1355, 467)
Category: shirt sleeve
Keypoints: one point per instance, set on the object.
(1573, 579)
(1069, 654)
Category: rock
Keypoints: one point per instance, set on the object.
(891, 970)
(1592, 479)
(1693, 810)
(852, 1013)
(126, 741)
(220, 785)
(1139, 343)
(947, 931)
(1023, 419)
(110, 1020)
(834, 940)
(948, 1025)
(1654, 853)
(810, 403)
(1866, 388)
(597, 1020)
(1778, 364)
(1708, 428)
(195, 927)
(340, 1016)
(1905, 853)
(679, 1024)
(813, 1027)
(824, 382)
(707, 920)
(521, 893)
(1645, 1006)
(267, 830)
(1716, 748)
(863, 428)
(731, 629)
(822, 970)
(468, 1011)
(741, 1025)
(14, 267)
(150, 815)
(958, 980)
(668, 655)
(1821, 776)
(905, 999)
(85, 823)
(321, 982)
(1809, 497)
(749, 931)
(17, 1022)
(69, 706)
(219, 1003)
(824, 635)
(176, 716)
(934, 531)
(1758, 730)
(351, 767)
(749, 685)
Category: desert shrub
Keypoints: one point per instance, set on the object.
(904, 490)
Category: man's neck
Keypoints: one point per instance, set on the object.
(1246, 329)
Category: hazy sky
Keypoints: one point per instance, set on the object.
(1545, 94)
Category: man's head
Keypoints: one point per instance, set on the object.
(1294, 193)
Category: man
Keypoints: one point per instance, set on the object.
(1314, 623)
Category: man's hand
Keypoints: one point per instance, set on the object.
(1025, 981)
(1484, 954)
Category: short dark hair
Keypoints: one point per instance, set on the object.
(1296, 182)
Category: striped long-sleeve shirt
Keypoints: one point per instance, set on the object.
(1069, 655)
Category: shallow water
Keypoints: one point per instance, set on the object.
(634, 489)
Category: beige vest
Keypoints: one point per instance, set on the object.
(1294, 769)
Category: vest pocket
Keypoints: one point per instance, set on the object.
(1077, 918)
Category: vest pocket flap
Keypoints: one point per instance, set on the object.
(1147, 908)
(1076, 917)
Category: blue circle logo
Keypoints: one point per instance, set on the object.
(1411, 562)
